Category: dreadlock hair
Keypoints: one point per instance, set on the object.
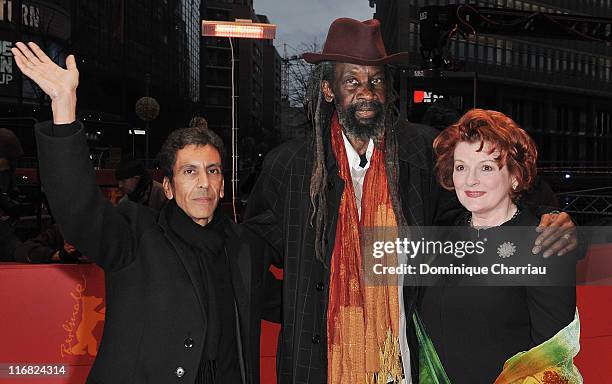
(320, 114)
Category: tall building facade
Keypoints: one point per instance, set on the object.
(559, 90)
(129, 49)
(124, 49)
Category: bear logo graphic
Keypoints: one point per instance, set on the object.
(90, 316)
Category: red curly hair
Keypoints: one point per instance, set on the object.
(516, 148)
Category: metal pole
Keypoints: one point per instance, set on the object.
(234, 137)
(146, 145)
(147, 84)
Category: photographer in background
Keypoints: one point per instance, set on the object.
(137, 185)
(10, 151)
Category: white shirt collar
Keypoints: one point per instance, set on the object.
(353, 156)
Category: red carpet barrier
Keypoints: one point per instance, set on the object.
(595, 308)
(52, 315)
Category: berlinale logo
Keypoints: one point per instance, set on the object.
(86, 313)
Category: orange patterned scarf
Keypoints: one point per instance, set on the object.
(362, 318)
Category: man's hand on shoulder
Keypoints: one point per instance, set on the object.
(558, 234)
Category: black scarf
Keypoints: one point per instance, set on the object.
(205, 247)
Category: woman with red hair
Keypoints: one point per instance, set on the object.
(489, 161)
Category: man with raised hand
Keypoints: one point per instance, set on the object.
(184, 293)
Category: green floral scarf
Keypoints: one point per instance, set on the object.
(548, 363)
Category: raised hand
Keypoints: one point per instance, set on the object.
(60, 84)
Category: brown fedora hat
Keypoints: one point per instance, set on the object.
(356, 42)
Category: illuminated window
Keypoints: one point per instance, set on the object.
(482, 52)
(490, 50)
(587, 67)
(564, 61)
(508, 53)
(540, 58)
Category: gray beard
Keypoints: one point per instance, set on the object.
(373, 129)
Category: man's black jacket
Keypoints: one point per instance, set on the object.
(154, 313)
(280, 210)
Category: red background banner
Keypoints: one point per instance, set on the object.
(53, 315)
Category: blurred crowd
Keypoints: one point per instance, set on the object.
(41, 241)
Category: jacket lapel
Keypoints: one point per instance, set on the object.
(239, 257)
(411, 193)
(412, 168)
(239, 254)
(333, 190)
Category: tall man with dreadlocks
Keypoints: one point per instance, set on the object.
(363, 167)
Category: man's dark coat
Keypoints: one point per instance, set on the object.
(281, 202)
(155, 320)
